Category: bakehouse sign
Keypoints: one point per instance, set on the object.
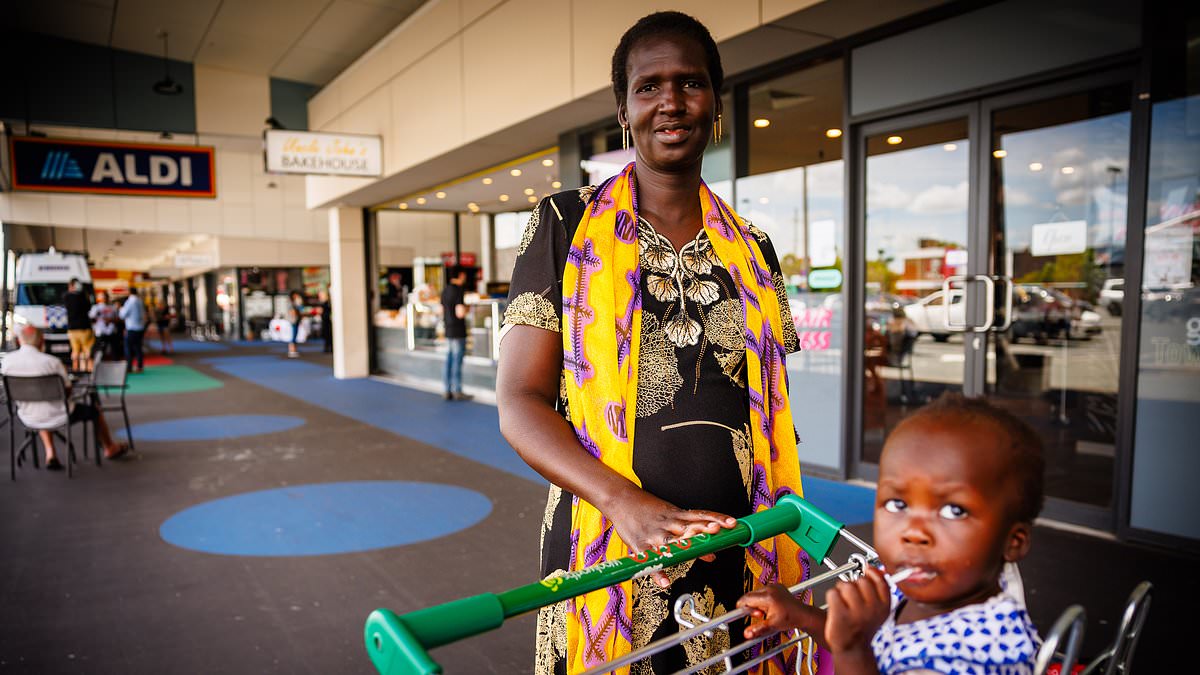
(112, 168)
(323, 154)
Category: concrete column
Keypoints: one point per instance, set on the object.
(347, 275)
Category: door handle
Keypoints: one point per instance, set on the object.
(948, 295)
(989, 311)
(1007, 282)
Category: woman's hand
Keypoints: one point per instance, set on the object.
(856, 611)
(780, 611)
(644, 521)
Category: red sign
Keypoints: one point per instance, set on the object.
(467, 260)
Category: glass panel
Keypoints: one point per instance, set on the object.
(794, 193)
(508, 228)
(917, 181)
(1060, 174)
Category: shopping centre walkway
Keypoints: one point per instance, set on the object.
(270, 508)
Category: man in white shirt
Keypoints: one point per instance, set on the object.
(46, 416)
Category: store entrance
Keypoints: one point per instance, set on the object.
(993, 236)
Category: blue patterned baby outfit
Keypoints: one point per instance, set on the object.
(994, 637)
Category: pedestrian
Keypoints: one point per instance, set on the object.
(326, 321)
(454, 314)
(162, 320)
(104, 325)
(295, 316)
(79, 326)
(133, 313)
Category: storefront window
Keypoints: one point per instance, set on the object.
(508, 229)
(794, 192)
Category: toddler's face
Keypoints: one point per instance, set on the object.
(941, 508)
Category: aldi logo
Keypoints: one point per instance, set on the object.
(66, 165)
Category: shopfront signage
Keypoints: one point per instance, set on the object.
(68, 165)
(1062, 238)
(827, 278)
(184, 260)
(323, 154)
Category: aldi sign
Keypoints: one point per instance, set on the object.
(68, 165)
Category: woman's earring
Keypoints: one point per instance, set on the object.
(717, 130)
(624, 137)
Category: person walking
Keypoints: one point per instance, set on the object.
(104, 325)
(162, 321)
(326, 321)
(454, 317)
(295, 316)
(79, 326)
(133, 313)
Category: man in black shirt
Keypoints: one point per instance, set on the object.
(79, 326)
(454, 313)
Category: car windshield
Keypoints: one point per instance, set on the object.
(45, 293)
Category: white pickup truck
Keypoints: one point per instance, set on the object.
(41, 280)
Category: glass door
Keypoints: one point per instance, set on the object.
(1055, 218)
(915, 208)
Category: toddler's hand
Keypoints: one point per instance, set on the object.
(779, 611)
(856, 611)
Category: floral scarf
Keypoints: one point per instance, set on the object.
(601, 333)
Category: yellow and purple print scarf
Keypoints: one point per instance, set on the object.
(601, 334)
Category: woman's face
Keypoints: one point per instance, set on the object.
(670, 105)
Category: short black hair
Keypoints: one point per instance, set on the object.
(1024, 445)
(73, 282)
(132, 290)
(660, 24)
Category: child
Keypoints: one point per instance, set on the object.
(960, 483)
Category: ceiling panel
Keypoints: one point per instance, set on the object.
(351, 27)
(80, 20)
(305, 64)
(138, 23)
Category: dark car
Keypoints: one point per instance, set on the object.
(1042, 313)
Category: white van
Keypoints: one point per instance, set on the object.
(41, 280)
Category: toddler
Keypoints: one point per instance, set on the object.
(960, 483)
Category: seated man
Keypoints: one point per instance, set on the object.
(46, 416)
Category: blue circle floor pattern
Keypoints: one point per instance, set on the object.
(326, 518)
(212, 427)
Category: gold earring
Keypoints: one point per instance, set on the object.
(624, 137)
(717, 130)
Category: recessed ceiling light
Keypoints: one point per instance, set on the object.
(532, 199)
(403, 205)
(762, 123)
(556, 184)
(528, 191)
(547, 162)
(473, 206)
(1035, 166)
(999, 154)
(1068, 170)
(420, 200)
(503, 198)
(894, 140)
(440, 195)
(949, 147)
(487, 181)
(515, 172)
(763, 200)
(833, 133)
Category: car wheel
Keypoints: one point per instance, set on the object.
(940, 337)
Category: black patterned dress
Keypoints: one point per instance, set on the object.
(692, 443)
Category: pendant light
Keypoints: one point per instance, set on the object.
(166, 86)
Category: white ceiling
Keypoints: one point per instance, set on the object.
(108, 249)
(538, 173)
(302, 40)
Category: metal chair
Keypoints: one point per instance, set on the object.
(900, 356)
(1118, 658)
(109, 378)
(83, 390)
(1069, 628)
(43, 389)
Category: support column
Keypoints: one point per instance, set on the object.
(348, 295)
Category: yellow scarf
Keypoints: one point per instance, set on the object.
(601, 334)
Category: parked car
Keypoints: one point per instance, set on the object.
(929, 314)
(1112, 296)
(1042, 313)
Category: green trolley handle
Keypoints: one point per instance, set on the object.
(398, 644)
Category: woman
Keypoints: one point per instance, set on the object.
(295, 316)
(645, 337)
(162, 320)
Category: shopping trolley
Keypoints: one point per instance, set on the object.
(1059, 654)
(399, 644)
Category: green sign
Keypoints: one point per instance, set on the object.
(826, 278)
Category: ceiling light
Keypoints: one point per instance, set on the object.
(1068, 170)
(503, 198)
(528, 191)
(472, 206)
(440, 195)
(420, 200)
(999, 154)
(166, 86)
(514, 173)
(762, 123)
(833, 133)
(547, 162)
(487, 181)
(556, 184)
(532, 199)
(894, 140)
(949, 147)
(1035, 166)
(403, 205)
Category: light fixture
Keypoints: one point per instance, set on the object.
(528, 191)
(273, 123)
(532, 199)
(514, 173)
(440, 195)
(999, 154)
(762, 123)
(556, 184)
(420, 200)
(1035, 166)
(894, 140)
(166, 86)
(1068, 170)
(403, 205)
(503, 198)
(547, 162)
(472, 206)
(763, 200)
(487, 181)
(833, 133)
(950, 147)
